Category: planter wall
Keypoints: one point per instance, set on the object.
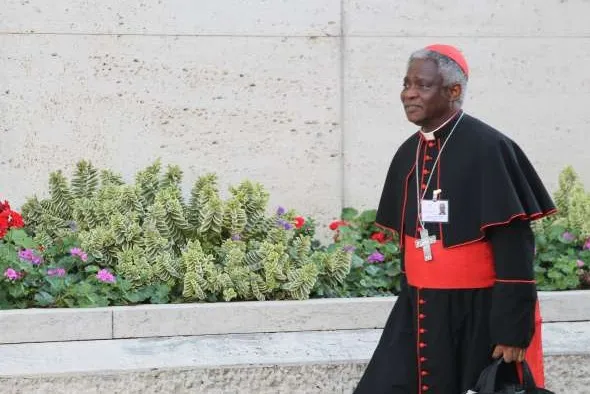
(144, 321)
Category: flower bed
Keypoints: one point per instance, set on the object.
(97, 241)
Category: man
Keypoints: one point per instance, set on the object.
(468, 293)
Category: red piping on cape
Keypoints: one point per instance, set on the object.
(403, 215)
(422, 176)
(440, 228)
(521, 216)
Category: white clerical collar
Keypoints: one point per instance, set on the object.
(428, 136)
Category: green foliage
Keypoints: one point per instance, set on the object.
(36, 285)
(563, 240)
(357, 231)
(208, 249)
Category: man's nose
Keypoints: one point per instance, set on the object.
(409, 93)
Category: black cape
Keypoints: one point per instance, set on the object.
(483, 172)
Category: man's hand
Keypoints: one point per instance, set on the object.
(509, 353)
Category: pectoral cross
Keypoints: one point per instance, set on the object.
(424, 242)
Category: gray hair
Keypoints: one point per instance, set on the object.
(450, 71)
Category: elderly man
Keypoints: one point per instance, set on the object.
(469, 293)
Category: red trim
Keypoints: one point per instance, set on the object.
(521, 216)
(534, 354)
(440, 229)
(418, 349)
(516, 281)
(420, 192)
(403, 215)
(450, 268)
(382, 227)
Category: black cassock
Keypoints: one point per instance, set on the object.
(479, 289)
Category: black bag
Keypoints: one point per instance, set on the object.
(489, 384)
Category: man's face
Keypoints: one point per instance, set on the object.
(423, 95)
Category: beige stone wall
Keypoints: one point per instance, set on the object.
(301, 95)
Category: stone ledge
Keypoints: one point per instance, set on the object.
(231, 350)
(145, 321)
(45, 325)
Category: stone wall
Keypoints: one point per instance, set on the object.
(301, 95)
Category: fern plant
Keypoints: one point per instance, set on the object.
(206, 249)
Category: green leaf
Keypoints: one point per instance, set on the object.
(368, 217)
(349, 214)
(44, 299)
(20, 238)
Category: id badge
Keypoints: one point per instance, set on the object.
(435, 211)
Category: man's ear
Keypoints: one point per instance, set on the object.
(454, 92)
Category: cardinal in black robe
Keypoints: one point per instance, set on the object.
(461, 196)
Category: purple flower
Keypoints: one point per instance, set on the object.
(349, 249)
(79, 253)
(280, 211)
(580, 263)
(375, 257)
(104, 275)
(30, 256)
(284, 224)
(56, 272)
(568, 237)
(236, 237)
(11, 274)
(587, 244)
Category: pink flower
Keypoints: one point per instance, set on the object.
(80, 253)
(568, 237)
(30, 256)
(11, 274)
(587, 245)
(580, 263)
(56, 272)
(104, 275)
(375, 257)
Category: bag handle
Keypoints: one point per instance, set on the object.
(487, 380)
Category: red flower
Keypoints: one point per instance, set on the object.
(335, 224)
(379, 237)
(299, 222)
(9, 219)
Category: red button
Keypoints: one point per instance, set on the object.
(423, 186)
(422, 330)
(425, 172)
(430, 144)
(423, 359)
(425, 388)
(421, 301)
(427, 158)
(422, 345)
(421, 315)
(425, 373)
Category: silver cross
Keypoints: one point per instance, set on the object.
(424, 242)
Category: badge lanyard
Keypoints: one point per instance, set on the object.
(418, 197)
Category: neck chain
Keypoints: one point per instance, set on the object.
(419, 197)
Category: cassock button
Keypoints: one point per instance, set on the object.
(425, 373)
(423, 186)
(421, 316)
(422, 301)
(431, 144)
(422, 331)
(422, 345)
(425, 172)
(427, 158)
(425, 388)
(423, 359)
